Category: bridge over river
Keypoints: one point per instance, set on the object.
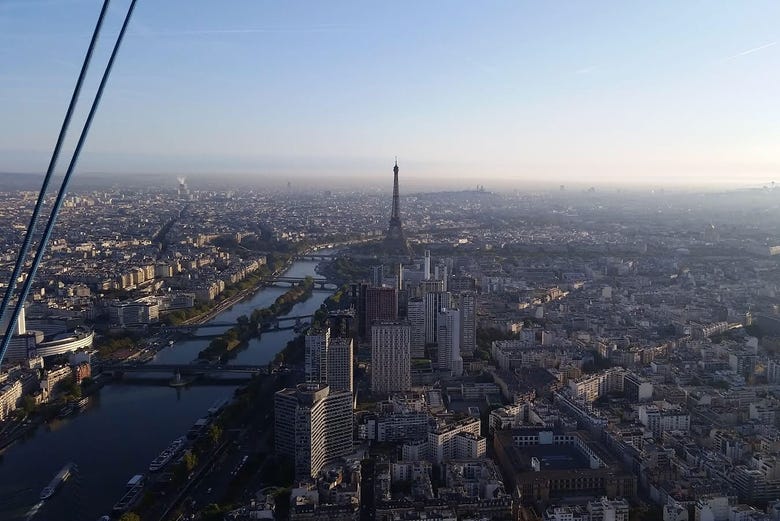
(273, 324)
(319, 284)
(184, 369)
(184, 374)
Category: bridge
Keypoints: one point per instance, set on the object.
(273, 324)
(315, 257)
(184, 369)
(319, 284)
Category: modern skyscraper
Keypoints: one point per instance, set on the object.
(395, 241)
(448, 355)
(468, 323)
(390, 357)
(427, 265)
(435, 301)
(315, 363)
(416, 316)
(381, 305)
(328, 360)
(340, 355)
(313, 425)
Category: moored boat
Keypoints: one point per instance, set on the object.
(167, 455)
(133, 493)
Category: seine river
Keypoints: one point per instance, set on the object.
(126, 426)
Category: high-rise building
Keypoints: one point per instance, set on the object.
(328, 360)
(427, 265)
(449, 357)
(460, 283)
(441, 272)
(342, 323)
(468, 323)
(435, 301)
(312, 425)
(359, 295)
(340, 354)
(390, 357)
(315, 364)
(19, 328)
(428, 286)
(415, 311)
(377, 275)
(381, 305)
(395, 241)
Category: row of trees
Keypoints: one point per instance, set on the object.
(284, 303)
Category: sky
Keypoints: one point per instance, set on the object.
(493, 92)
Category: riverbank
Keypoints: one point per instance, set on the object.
(250, 327)
(106, 460)
(42, 415)
(232, 300)
(293, 352)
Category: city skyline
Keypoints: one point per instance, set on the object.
(662, 94)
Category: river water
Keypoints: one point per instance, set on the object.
(126, 426)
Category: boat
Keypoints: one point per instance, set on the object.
(133, 493)
(55, 483)
(167, 455)
(198, 427)
(217, 407)
(81, 404)
(170, 342)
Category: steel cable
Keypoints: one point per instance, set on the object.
(61, 193)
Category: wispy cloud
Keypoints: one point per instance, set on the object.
(250, 30)
(585, 70)
(752, 50)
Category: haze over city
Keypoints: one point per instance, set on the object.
(501, 93)
(400, 261)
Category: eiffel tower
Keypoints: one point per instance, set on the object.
(395, 241)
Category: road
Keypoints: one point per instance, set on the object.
(232, 475)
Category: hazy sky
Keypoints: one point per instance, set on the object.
(587, 91)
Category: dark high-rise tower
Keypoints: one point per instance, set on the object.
(395, 242)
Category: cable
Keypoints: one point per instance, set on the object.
(22, 257)
(64, 186)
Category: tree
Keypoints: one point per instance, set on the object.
(213, 512)
(72, 388)
(215, 433)
(28, 404)
(190, 461)
(130, 516)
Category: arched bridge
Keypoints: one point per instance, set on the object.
(319, 284)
